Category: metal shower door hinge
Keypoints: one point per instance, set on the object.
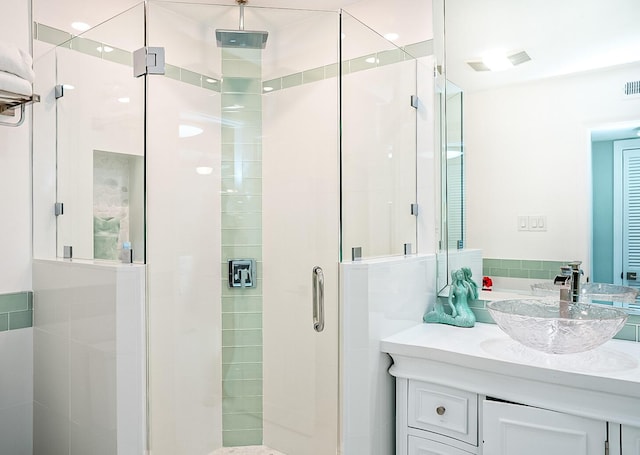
(58, 91)
(148, 60)
(58, 208)
(414, 209)
(414, 101)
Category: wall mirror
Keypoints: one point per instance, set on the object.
(549, 92)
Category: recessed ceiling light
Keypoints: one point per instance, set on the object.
(267, 89)
(496, 61)
(124, 99)
(189, 130)
(204, 170)
(371, 60)
(391, 36)
(210, 80)
(80, 26)
(106, 49)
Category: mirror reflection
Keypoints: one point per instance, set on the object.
(550, 120)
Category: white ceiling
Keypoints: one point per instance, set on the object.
(411, 19)
(561, 37)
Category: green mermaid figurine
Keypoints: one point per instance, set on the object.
(462, 289)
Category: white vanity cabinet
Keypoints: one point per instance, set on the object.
(510, 429)
(630, 440)
(438, 420)
(475, 392)
(435, 419)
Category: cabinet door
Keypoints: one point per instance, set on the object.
(510, 429)
(420, 446)
(630, 440)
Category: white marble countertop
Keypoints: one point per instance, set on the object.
(484, 359)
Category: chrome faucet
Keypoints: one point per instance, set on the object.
(575, 280)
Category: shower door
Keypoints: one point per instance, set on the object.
(242, 165)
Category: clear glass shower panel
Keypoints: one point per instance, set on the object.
(100, 140)
(455, 169)
(378, 143)
(242, 170)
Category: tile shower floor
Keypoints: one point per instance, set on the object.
(249, 450)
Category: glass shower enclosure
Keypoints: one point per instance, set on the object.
(242, 168)
(241, 177)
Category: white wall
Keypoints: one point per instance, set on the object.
(15, 230)
(527, 153)
(16, 346)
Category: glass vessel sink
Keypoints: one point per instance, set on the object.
(557, 327)
(590, 292)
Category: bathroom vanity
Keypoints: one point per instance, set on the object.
(462, 391)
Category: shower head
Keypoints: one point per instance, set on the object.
(241, 38)
(247, 39)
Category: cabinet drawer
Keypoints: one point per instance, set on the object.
(420, 446)
(443, 410)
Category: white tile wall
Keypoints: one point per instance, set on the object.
(88, 361)
(379, 298)
(16, 385)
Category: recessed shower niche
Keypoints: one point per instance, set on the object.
(117, 212)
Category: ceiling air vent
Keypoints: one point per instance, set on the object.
(519, 58)
(632, 88)
(515, 59)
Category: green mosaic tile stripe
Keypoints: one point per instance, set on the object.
(522, 268)
(16, 311)
(113, 54)
(241, 217)
(362, 63)
(249, 69)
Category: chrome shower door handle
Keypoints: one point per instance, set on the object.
(318, 299)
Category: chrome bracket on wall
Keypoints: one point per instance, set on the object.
(407, 249)
(356, 253)
(58, 208)
(414, 209)
(67, 252)
(414, 101)
(148, 60)
(58, 91)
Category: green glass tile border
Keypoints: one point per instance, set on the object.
(522, 268)
(96, 49)
(241, 216)
(235, 438)
(16, 310)
(104, 51)
(362, 63)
